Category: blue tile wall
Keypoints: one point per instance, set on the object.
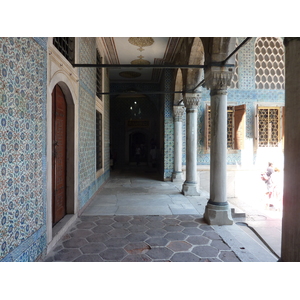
(23, 66)
(168, 125)
(88, 183)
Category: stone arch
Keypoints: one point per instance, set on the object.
(196, 58)
(217, 49)
(178, 87)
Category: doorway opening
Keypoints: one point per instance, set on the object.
(62, 153)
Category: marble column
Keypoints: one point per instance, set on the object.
(178, 112)
(290, 242)
(191, 102)
(217, 210)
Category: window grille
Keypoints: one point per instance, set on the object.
(99, 78)
(98, 140)
(268, 126)
(66, 46)
(269, 63)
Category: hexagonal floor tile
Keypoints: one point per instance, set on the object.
(160, 253)
(137, 258)
(189, 224)
(157, 241)
(198, 240)
(137, 248)
(67, 255)
(116, 242)
(185, 257)
(205, 251)
(116, 254)
(75, 243)
(81, 233)
(93, 248)
(105, 221)
(89, 258)
(86, 225)
(137, 237)
(179, 246)
(120, 232)
(171, 221)
(192, 231)
(102, 229)
(173, 228)
(156, 232)
(154, 224)
(175, 236)
(98, 237)
(137, 228)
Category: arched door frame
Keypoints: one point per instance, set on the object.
(53, 234)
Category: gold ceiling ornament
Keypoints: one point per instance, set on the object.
(141, 42)
(140, 62)
(130, 74)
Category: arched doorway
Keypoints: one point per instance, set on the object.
(59, 140)
(62, 149)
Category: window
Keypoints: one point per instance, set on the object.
(98, 140)
(99, 77)
(236, 123)
(66, 46)
(269, 63)
(269, 126)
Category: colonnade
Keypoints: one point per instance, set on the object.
(217, 211)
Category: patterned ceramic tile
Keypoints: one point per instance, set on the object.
(22, 155)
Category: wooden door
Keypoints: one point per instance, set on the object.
(59, 122)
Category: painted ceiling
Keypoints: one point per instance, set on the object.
(138, 51)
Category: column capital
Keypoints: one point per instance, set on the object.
(178, 112)
(218, 78)
(192, 100)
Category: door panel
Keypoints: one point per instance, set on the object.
(59, 122)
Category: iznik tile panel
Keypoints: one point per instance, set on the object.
(23, 68)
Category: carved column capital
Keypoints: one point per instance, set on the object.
(218, 78)
(178, 112)
(191, 100)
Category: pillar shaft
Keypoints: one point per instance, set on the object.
(178, 112)
(218, 148)
(290, 247)
(191, 102)
(217, 210)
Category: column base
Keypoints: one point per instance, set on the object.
(190, 189)
(177, 177)
(218, 214)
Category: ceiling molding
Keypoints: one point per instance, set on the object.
(111, 50)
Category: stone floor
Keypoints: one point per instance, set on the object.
(170, 238)
(136, 217)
